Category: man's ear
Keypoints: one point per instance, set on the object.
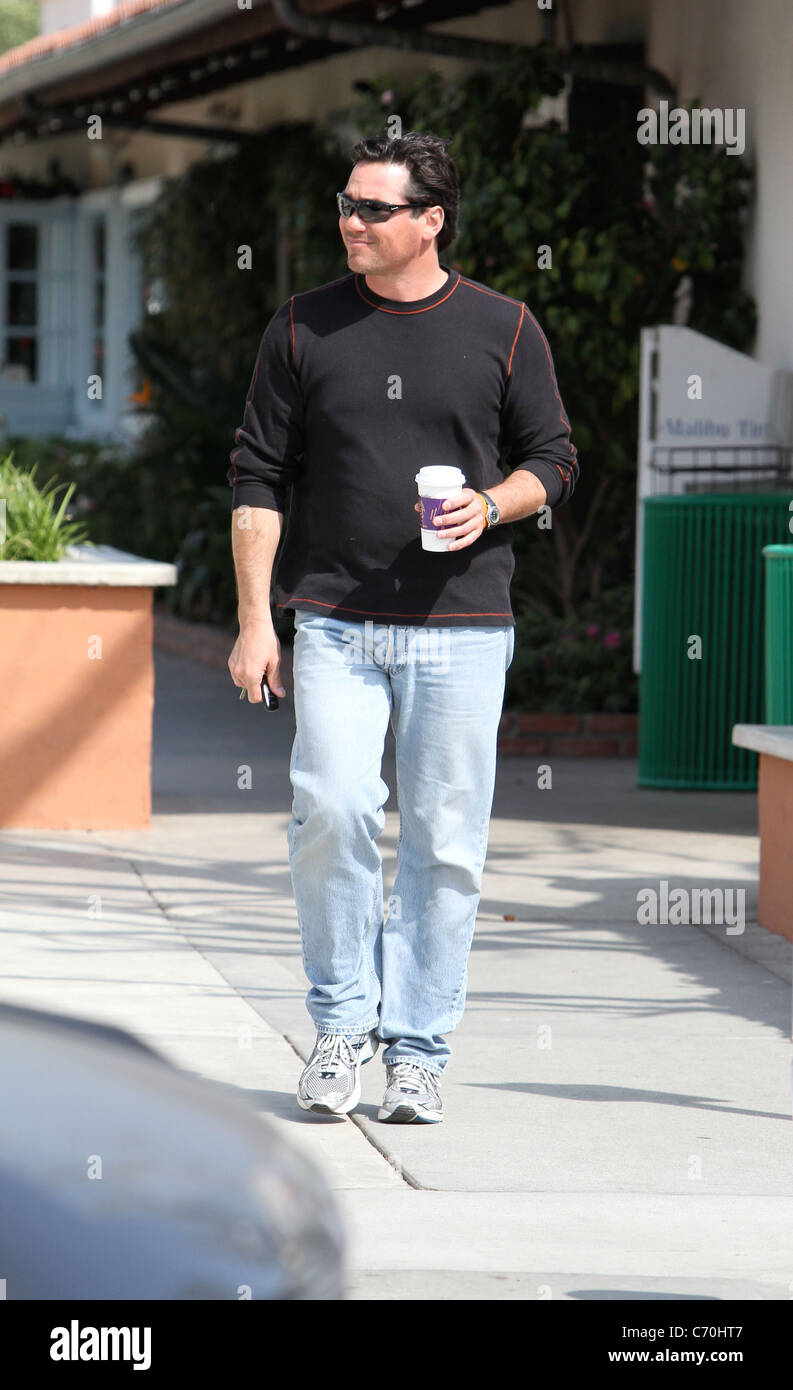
(443, 219)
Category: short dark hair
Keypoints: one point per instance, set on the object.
(433, 175)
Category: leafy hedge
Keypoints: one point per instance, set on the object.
(576, 665)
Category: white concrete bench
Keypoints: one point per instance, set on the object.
(774, 743)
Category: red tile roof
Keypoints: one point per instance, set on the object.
(77, 33)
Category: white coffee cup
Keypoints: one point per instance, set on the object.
(436, 483)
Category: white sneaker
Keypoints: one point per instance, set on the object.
(330, 1082)
(412, 1094)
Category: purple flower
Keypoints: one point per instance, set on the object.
(387, 97)
(566, 637)
(612, 639)
(592, 630)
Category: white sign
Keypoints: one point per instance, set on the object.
(706, 413)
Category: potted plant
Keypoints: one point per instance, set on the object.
(76, 666)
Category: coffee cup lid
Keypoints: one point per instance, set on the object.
(442, 474)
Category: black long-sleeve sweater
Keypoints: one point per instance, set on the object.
(351, 394)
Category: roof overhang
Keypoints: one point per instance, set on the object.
(177, 51)
(148, 54)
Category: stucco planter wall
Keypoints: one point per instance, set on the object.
(77, 682)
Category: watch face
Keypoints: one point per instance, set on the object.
(493, 516)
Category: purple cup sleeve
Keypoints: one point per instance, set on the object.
(430, 507)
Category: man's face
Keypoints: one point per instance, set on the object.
(383, 248)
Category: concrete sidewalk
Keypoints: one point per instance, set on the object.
(618, 1105)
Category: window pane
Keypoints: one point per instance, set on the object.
(21, 352)
(22, 248)
(21, 304)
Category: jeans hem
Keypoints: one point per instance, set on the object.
(411, 1057)
(349, 1028)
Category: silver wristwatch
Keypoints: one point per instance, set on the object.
(492, 514)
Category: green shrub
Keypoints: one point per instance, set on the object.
(576, 665)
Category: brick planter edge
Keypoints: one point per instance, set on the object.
(568, 735)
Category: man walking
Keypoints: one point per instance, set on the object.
(401, 363)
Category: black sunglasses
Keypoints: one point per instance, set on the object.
(369, 210)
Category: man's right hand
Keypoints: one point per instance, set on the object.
(257, 653)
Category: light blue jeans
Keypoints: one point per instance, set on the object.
(442, 689)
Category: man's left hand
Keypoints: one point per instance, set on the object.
(462, 520)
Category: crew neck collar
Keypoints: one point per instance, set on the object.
(409, 306)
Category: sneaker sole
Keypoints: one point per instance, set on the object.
(350, 1102)
(409, 1114)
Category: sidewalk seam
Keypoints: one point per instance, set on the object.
(395, 1163)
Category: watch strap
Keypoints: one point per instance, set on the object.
(487, 502)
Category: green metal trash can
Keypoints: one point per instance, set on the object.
(778, 634)
(703, 579)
